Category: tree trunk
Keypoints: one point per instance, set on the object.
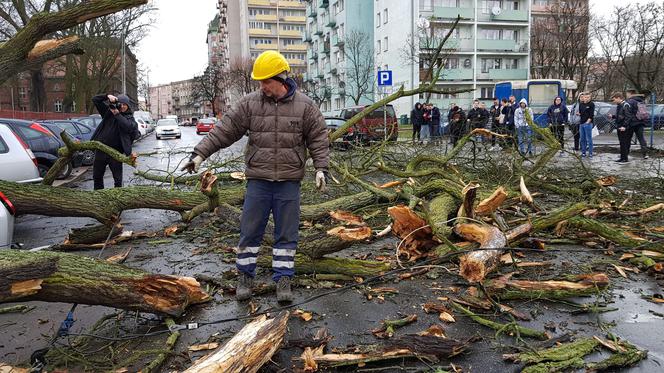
(581, 285)
(105, 205)
(342, 266)
(248, 350)
(38, 93)
(441, 208)
(475, 265)
(92, 235)
(59, 277)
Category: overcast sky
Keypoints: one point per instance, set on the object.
(176, 50)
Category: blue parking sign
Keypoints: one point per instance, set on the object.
(384, 77)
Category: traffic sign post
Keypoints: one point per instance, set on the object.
(384, 81)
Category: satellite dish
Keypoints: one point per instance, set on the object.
(423, 23)
(496, 10)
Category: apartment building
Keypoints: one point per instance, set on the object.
(329, 24)
(177, 98)
(490, 44)
(249, 27)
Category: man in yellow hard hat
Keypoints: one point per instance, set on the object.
(283, 123)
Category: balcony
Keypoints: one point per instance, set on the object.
(296, 47)
(312, 55)
(260, 32)
(295, 62)
(312, 13)
(457, 74)
(306, 37)
(291, 33)
(508, 74)
(453, 12)
(290, 4)
(325, 48)
(511, 15)
(502, 45)
(341, 91)
(337, 41)
(258, 2)
(324, 4)
(301, 19)
(265, 46)
(266, 17)
(331, 22)
(333, 70)
(318, 31)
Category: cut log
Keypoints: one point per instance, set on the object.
(105, 205)
(582, 285)
(558, 215)
(60, 277)
(491, 204)
(92, 235)
(525, 193)
(248, 350)
(469, 193)
(475, 265)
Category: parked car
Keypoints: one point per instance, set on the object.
(205, 125)
(193, 122)
(372, 127)
(333, 124)
(91, 121)
(167, 128)
(7, 212)
(43, 143)
(659, 117)
(84, 158)
(17, 162)
(604, 120)
(143, 126)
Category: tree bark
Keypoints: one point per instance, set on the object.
(59, 277)
(581, 285)
(475, 265)
(440, 209)
(248, 350)
(342, 266)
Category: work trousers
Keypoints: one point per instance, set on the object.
(417, 128)
(99, 169)
(282, 198)
(558, 131)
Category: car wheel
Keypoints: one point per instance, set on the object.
(198, 132)
(66, 171)
(43, 169)
(88, 157)
(157, 136)
(178, 137)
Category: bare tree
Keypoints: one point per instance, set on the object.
(359, 66)
(210, 86)
(631, 42)
(240, 76)
(560, 43)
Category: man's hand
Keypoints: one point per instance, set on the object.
(115, 111)
(320, 181)
(112, 98)
(622, 129)
(193, 164)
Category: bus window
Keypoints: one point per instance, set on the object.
(541, 95)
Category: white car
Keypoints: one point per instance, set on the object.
(17, 163)
(143, 127)
(167, 128)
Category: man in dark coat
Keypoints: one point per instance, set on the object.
(118, 129)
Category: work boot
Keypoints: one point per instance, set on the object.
(243, 289)
(284, 294)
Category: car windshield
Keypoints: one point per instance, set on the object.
(166, 122)
(334, 122)
(207, 121)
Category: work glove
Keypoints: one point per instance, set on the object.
(193, 164)
(320, 180)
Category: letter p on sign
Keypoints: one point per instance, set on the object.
(384, 77)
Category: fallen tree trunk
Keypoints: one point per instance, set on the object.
(438, 215)
(475, 265)
(92, 235)
(248, 350)
(582, 285)
(105, 205)
(342, 266)
(58, 277)
(558, 215)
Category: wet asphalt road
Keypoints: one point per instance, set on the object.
(348, 315)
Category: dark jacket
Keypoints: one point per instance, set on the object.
(494, 112)
(117, 131)
(417, 116)
(457, 122)
(508, 112)
(624, 115)
(478, 117)
(558, 114)
(586, 111)
(435, 116)
(280, 134)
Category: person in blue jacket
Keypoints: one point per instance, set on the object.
(558, 119)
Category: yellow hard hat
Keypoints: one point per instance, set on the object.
(269, 64)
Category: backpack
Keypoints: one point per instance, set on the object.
(642, 111)
(573, 118)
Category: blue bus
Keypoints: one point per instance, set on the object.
(539, 93)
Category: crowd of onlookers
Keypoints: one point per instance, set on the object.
(507, 117)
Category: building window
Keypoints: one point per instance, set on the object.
(486, 92)
(58, 106)
(385, 44)
(385, 16)
(22, 94)
(490, 34)
(452, 63)
(514, 5)
(487, 5)
(256, 11)
(490, 63)
(512, 63)
(378, 19)
(378, 48)
(73, 106)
